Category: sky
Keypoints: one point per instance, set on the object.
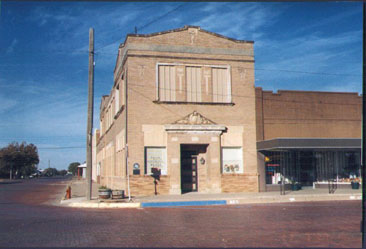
(44, 57)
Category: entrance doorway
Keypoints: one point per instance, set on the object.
(189, 161)
(307, 169)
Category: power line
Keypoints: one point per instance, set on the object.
(282, 119)
(146, 97)
(160, 17)
(306, 72)
(259, 69)
(147, 24)
(61, 148)
(244, 96)
(22, 52)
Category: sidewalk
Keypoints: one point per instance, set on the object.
(8, 181)
(78, 199)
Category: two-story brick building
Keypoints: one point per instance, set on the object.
(184, 102)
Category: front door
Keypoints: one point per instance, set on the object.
(189, 172)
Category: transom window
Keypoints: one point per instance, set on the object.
(193, 83)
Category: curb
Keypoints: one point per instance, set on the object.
(105, 205)
(234, 201)
(183, 203)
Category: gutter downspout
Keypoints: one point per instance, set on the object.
(126, 140)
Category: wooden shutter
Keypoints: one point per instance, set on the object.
(220, 85)
(167, 83)
(193, 78)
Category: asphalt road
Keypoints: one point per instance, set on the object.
(29, 217)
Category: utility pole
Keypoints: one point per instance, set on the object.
(49, 163)
(363, 143)
(126, 139)
(90, 116)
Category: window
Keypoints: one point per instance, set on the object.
(116, 100)
(232, 160)
(167, 83)
(155, 157)
(193, 83)
(120, 143)
(193, 79)
(221, 91)
(101, 128)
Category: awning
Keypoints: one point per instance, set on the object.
(309, 143)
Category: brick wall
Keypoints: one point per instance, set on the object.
(239, 183)
(307, 114)
(144, 185)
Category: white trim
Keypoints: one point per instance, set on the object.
(229, 98)
(157, 81)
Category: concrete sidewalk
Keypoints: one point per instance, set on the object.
(199, 199)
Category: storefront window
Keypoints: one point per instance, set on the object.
(155, 157)
(232, 160)
(307, 167)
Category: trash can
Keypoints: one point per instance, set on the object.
(118, 194)
(355, 185)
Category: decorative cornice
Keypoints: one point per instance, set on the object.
(195, 118)
(194, 122)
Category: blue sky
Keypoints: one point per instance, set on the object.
(44, 57)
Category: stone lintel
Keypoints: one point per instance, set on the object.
(195, 128)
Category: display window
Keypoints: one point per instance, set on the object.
(155, 157)
(232, 160)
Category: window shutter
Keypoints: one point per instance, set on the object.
(220, 85)
(193, 84)
(167, 83)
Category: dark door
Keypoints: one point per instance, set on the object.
(307, 173)
(188, 172)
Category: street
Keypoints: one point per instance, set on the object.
(29, 217)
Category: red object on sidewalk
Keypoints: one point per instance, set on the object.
(78, 173)
(68, 192)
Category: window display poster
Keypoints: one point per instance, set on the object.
(232, 160)
(156, 158)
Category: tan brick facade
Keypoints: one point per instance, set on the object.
(306, 114)
(201, 73)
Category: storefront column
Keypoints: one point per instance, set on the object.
(173, 161)
(214, 170)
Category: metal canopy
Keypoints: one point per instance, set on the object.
(309, 143)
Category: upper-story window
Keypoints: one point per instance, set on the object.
(116, 100)
(193, 83)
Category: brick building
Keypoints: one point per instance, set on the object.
(173, 107)
(308, 137)
(183, 104)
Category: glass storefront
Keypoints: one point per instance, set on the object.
(312, 166)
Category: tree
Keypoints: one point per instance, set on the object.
(73, 167)
(63, 172)
(18, 160)
(50, 172)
